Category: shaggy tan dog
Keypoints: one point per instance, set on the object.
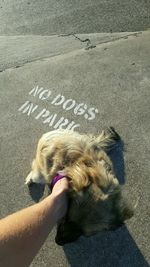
(95, 198)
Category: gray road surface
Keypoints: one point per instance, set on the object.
(114, 78)
(19, 17)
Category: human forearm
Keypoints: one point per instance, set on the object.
(23, 233)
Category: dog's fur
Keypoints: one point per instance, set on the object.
(95, 198)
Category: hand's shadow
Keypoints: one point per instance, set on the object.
(105, 250)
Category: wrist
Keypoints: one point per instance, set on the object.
(48, 209)
(55, 204)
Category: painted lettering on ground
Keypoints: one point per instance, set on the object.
(53, 119)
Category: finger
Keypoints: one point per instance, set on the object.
(62, 184)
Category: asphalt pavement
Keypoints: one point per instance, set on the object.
(58, 58)
(19, 17)
(111, 81)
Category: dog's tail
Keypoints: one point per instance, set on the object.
(106, 139)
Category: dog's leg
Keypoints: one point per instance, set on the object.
(35, 176)
(106, 139)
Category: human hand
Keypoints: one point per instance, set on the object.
(59, 193)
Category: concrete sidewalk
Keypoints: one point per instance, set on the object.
(20, 50)
(71, 85)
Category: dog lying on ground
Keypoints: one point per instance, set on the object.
(95, 197)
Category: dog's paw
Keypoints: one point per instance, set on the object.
(29, 179)
(34, 177)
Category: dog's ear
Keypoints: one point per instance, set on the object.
(106, 139)
(67, 232)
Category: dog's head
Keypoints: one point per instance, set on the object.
(95, 199)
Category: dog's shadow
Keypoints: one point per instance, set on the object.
(36, 191)
(116, 155)
(105, 250)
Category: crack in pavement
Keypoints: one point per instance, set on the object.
(89, 45)
(88, 42)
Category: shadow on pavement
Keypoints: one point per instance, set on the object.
(105, 250)
(36, 191)
(116, 155)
